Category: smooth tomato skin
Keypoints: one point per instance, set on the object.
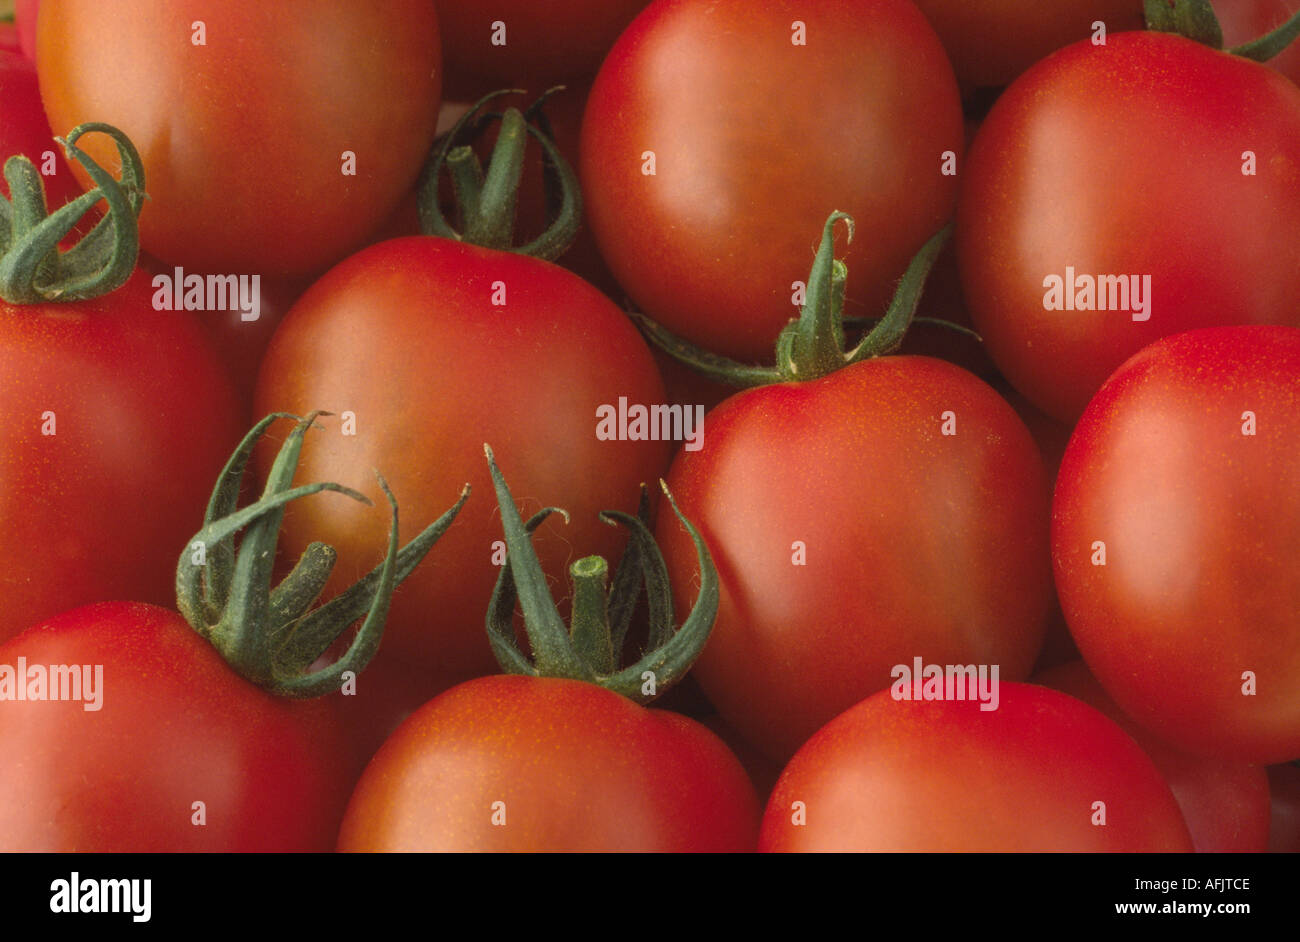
(176, 726)
(991, 42)
(262, 172)
(579, 769)
(1051, 183)
(25, 12)
(405, 335)
(1201, 526)
(756, 141)
(1284, 825)
(1225, 803)
(944, 776)
(548, 42)
(144, 418)
(915, 543)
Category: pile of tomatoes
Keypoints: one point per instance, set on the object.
(963, 334)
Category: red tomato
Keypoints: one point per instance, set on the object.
(851, 535)
(175, 726)
(25, 18)
(1183, 472)
(944, 776)
(245, 182)
(991, 42)
(513, 763)
(1225, 803)
(528, 44)
(406, 336)
(115, 419)
(1055, 186)
(754, 140)
(24, 130)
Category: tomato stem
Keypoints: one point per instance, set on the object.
(486, 204)
(1192, 19)
(33, 270)
(270, 636)
(590, 652)
(1270, 44)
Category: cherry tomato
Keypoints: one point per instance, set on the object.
(852, 534)
(1176, 541)
(405, 336)
(991, 42)
(178, 754)
(514, 763)
(242, 182)
(528, 44)
(715, 141)
(1055, 189)
(1036, 774)
(115, 419)
(1225, 803)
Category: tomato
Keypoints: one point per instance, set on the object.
(24, 130)
(537, 764)
(526, 43)
(851, 535)
(25, 18)
(405, 336)
(1246, 20)
(114, 420)
(945, 776)
(1055, 188)
(174, 726)
(1225, 803)
(243, 182)
(754, 140)
(991, 42)
(1181, 478)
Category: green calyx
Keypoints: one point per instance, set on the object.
(270, 636)
(590, 649)
(33, 270)
(1195, 20)
(812, 345)
(486, 202)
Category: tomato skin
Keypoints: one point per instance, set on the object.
(1050, 184)
(263, 172)
(25, 12)
(756, 140)
(1284, 825)
(101, 508)
(1225, 803)
(1201, 526)
(176, 726)
(916, 543)
(548, 42)
(25, 130)
(405, 335)
(579, 769)
(1246, 20)
(944, 776)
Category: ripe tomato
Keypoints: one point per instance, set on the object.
(242, 182)
(405, 335)
(850, 535)
(24, 130)
(1053, 186)
(1246, 20)
(528, 44)
(943, 775)
(25, 19)
(1176, 540)
(175, 726)
(1225, 803)
(114, 420)
(754, 140)
(513, 763)
(991, 42)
